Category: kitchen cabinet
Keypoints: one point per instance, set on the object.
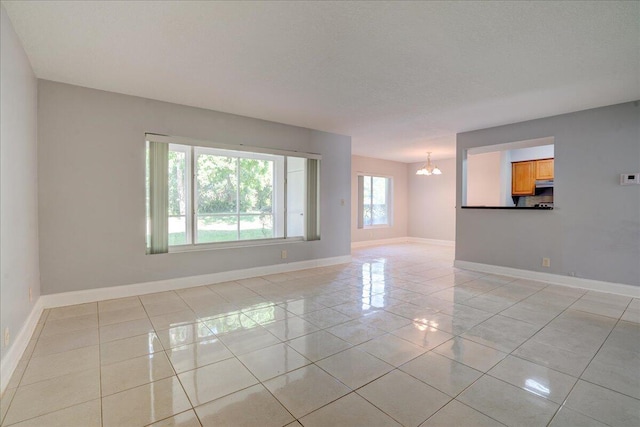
(523, 178)
(544, 169)
(525, 174)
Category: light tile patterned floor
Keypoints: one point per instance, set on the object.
(397, 337)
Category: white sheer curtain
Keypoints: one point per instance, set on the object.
(158, 198)
(360, 201)
(313, 193)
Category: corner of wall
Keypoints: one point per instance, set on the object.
(20, 286)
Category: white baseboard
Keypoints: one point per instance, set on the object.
(390, 241)
(556, 279)
(14, 353)
(396, 240)
(431, 241)
(92, 295)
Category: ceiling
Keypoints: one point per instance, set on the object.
(400, 78)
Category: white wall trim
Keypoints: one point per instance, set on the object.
(92, 295)
(431, 241)
(390, 241)
(556, 279)
(395, 240)
(14, 353)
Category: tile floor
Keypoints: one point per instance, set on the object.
(397, 337)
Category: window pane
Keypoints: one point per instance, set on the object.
(236, 195)
(379, 215)
(177, 183)
(177, 230)
(379, 205)
(256, 227)
(366, 189)
(379, 190)
(216, 184)
(374, 199)
(367, 220)
(256, 186)
(216, 228)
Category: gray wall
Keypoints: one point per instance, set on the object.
(18, 192)
(531, 153)
(91, 192)
(432, 202)
(594, 231)
(398, 172)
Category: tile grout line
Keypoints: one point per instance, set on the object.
(577, 378)
(507, 354)
(263, 386)
(234, 357)
(587, 367)
(100, 366)
(527, 340)
(53, 378)
(462, 403)
(170, 364)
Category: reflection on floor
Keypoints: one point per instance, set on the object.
(397, 337)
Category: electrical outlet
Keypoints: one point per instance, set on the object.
(283, 254)
(546, 262)
(30, 295)
(7, 337)
(341, 202)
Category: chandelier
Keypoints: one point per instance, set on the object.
(428, 168)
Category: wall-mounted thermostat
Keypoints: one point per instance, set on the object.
(630, 178)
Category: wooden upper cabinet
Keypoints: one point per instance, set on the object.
(525, 174)
(523, 178)
(544, 169)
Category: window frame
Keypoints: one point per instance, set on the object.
(189, 146)
(388, 199)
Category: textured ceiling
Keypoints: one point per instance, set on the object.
(400, 78)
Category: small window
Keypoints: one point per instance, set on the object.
(374, 201)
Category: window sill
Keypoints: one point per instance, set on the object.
(369, 227)
(233, 245)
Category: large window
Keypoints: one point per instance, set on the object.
(216, 195)
(374, 201)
